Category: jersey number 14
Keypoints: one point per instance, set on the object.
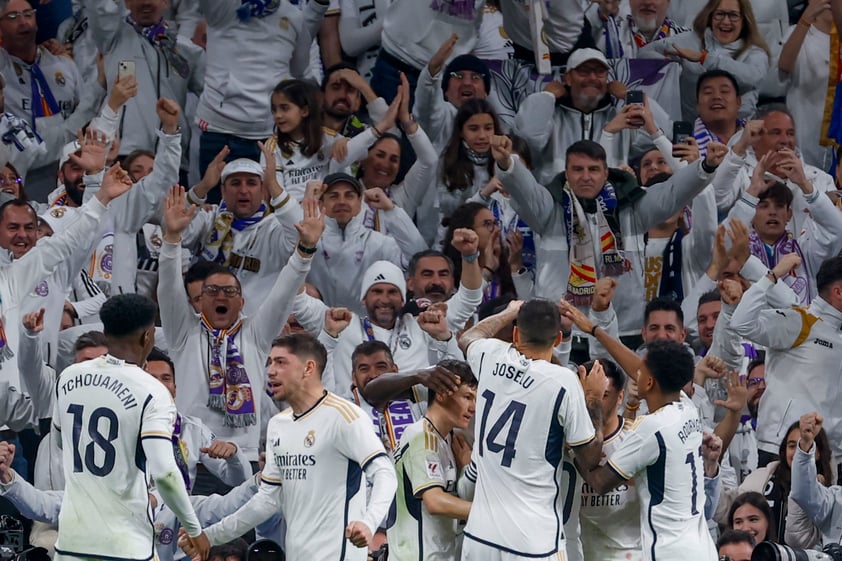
(511, 415)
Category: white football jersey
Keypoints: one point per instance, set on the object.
(611, 522)
(104, 407)
(527, 411)
(319, 458)
(663, 453)
(423, 460)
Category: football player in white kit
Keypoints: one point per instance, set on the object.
(528, 410)
(663, 451)
(319, 452)
(116, 424)
(610, 523)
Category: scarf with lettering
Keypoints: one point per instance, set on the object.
(798, 280)
(44, 103)
(228, 384)
(179, 448)
(218, 246)
(705, 136)
(583, 262)
(161, 36)
(667, 28)
(462, 9)
(257, 8)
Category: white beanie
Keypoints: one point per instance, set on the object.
(383, 271)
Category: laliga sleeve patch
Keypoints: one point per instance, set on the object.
(434, 469)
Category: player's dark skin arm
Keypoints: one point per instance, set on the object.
(602, 478)
(624, 356)
(837, 16)
(387, 387)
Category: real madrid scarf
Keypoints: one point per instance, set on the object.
(798, 279)
(228, 384)
(179, 448)
(705, 136)
(218, 246)
(583, 261)
(160, 35)
(44, 103)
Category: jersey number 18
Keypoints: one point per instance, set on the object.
(98, 439)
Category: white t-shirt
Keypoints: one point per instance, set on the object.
(662, 452)
(319, 458)
(527, 411)
(103, 408)
(611, 522)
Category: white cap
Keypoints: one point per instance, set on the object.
(581, 56)
(66, 150)
(383, 271)
(241, 165)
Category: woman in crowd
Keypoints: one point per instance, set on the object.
(725, 37)
(492, 257)
(773, 483)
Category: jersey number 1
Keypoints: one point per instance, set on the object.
(691, 459)
(515, 412)
(98, 439)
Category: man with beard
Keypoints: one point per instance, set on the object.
(342, 89)
(552, 120)
(415, 342)
(622, 35)
(117, 248)
(430, 280)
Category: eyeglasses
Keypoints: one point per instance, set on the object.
(10, 181)
(490, 224)
(472, 76)
(213, 290)
(756, 382)
(733, 17)
(25, 14)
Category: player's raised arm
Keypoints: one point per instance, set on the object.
(490, 326)
(625, 357)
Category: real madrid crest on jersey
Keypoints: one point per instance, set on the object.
(43, 289)
(284, 23)
(404, 342)
(60, 79)
(58, 211)
(310, 439)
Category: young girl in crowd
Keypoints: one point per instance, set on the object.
(751, 513)
(306, 151)
(467, 164)
(773, 483)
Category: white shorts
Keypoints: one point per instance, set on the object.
(473, 550)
